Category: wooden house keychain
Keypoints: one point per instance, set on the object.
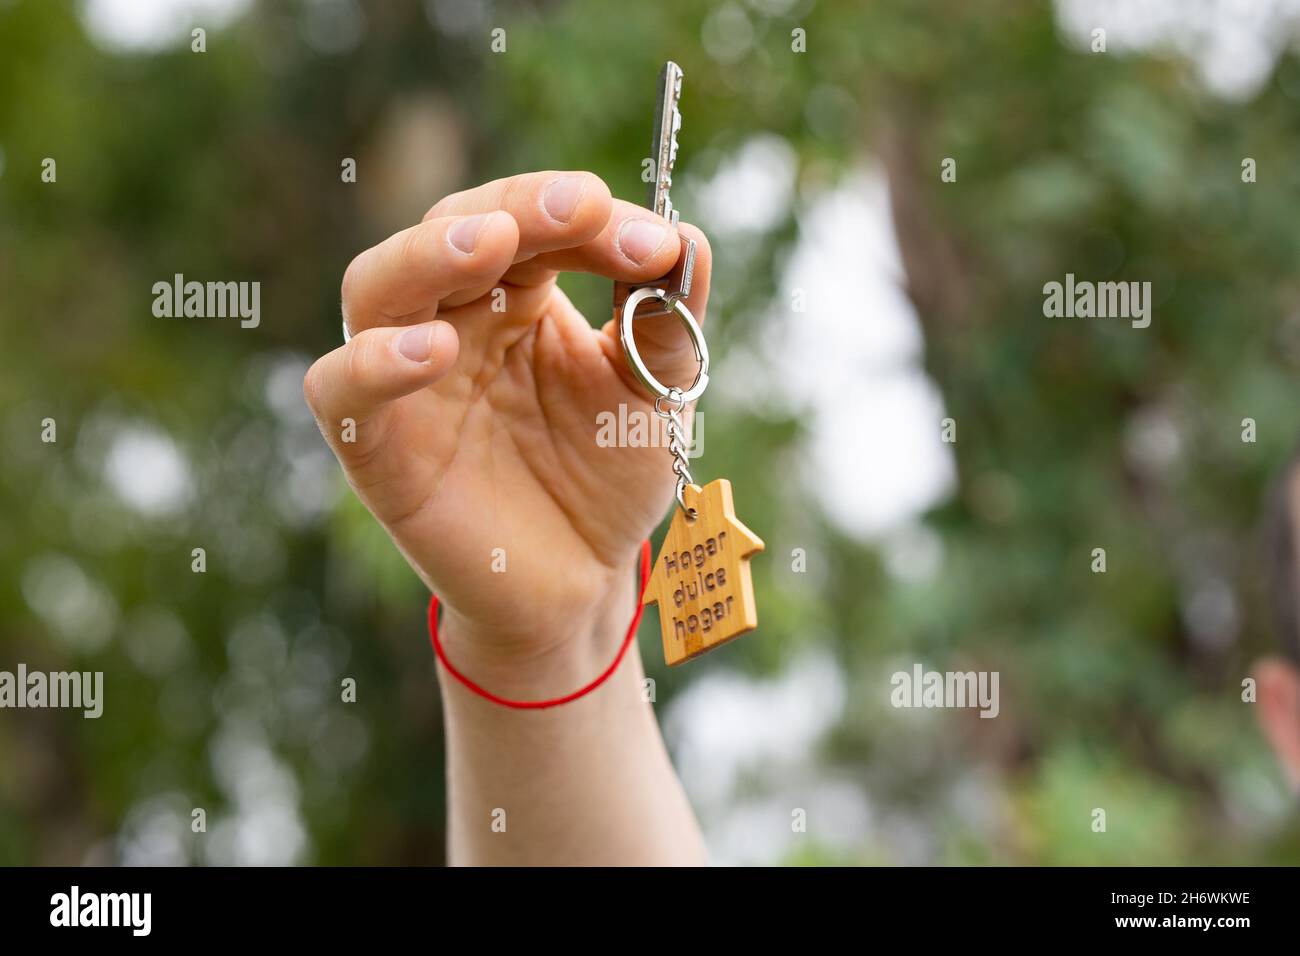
(701, 580)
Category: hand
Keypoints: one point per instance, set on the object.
(477, 431)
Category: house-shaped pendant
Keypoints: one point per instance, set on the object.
(701, 579)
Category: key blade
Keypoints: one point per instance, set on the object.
(676, 285)
(663, 146)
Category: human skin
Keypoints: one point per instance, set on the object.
(1278, 678)
(475, 430)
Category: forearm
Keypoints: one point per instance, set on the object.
(585, 783)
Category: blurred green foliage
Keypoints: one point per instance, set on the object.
(223, 688)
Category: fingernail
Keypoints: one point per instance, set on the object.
(416, 344)
(639, 238)
(562, 195)
(463, 236)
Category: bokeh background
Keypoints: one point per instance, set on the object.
(859, 301)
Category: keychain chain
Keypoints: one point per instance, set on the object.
(677, 444)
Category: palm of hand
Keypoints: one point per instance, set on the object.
(492, 481)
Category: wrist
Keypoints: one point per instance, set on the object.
(549, 652)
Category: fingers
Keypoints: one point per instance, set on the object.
(634, 245)
(521, 230)
(568, 222)
(554, 210)
(417, 267)
(518, 231)
(349, 387)
(663, 342)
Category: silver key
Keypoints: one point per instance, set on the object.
(676, 284)
(668, 122)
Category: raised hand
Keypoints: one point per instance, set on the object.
(476, 431)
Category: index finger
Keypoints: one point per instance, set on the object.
(568, 222)
(555, 209)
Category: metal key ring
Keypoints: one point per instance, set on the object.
(638, 367)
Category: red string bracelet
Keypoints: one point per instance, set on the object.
(555, 702)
